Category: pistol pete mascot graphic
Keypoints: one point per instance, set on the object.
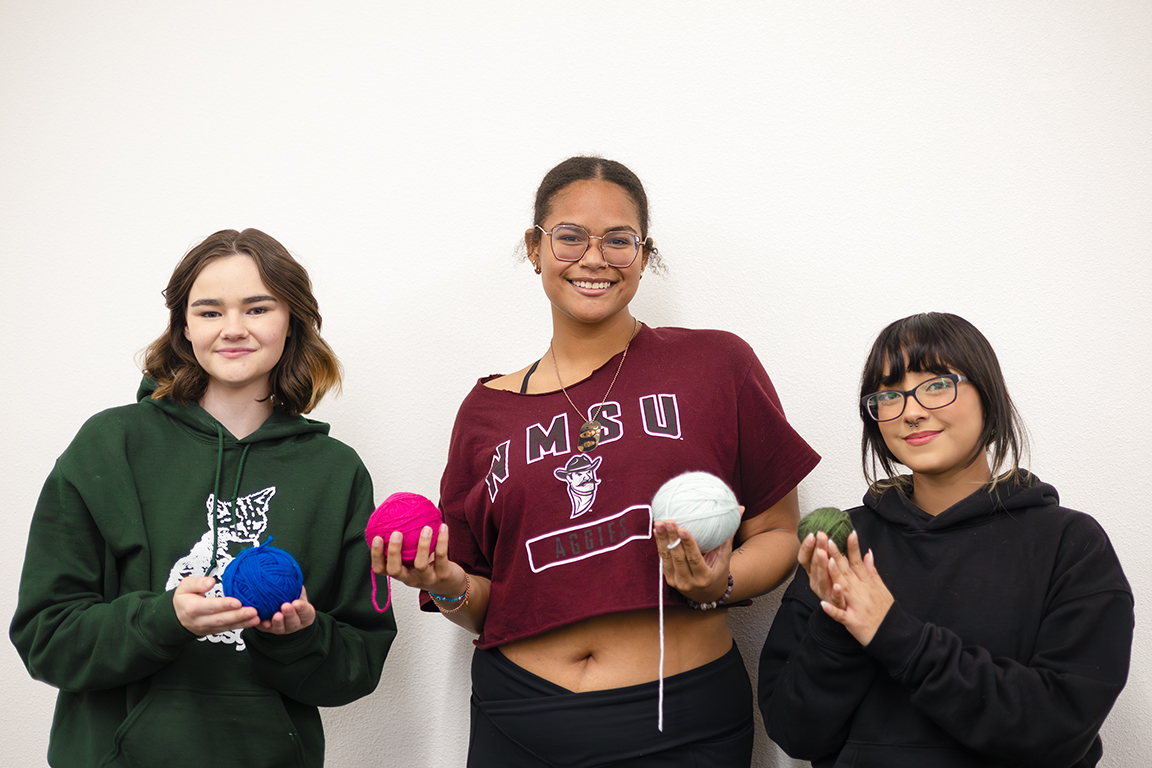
(580, 475)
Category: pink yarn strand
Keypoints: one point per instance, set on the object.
(388, 583)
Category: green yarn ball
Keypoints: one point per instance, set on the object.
(832, 521)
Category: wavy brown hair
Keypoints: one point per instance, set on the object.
(938, 342)
(307, 369)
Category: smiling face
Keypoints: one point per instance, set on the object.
(588, 291)
(942, 442)
(237, 328)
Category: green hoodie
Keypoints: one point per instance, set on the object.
(124, 516)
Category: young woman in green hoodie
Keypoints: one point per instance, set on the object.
(120, 604)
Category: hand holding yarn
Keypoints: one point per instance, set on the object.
(264, 577)
(696, 513)
(202, 615)
(699, 576)
(823, 535)
(409, 514)
(701, 503)
(833, 522)
(291, 617)
(861, 600)
(410, 543)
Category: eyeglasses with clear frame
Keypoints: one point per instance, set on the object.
(937, 392)
(570, 243)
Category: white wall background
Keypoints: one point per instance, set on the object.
(816, 170)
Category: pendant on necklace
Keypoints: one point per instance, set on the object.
(589, 436)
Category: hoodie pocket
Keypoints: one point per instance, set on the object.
(175, 726)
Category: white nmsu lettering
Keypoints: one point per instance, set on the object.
(553, 441)
(659, 415)
(498, 472)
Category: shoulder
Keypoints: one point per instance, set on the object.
(310, 435)
(671, 337)
(509, 382)
(1040, 503)
(483, 414)
(109, 437)
(1079, 530)
(485, 392)
(109, 424)
(330, 446)
(702, 349)
(1085, 565)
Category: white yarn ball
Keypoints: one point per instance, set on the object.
(703, 504)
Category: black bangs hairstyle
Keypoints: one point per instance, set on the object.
(938, 342)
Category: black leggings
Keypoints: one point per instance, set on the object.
(520, 720)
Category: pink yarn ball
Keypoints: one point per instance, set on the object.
(407, 513)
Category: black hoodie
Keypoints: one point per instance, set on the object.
(1008, 643)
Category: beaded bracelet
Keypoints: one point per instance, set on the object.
(442, 599)
(462, 600)
(715, 603)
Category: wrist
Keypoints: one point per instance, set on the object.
(452, 604)
(707, 606)
(450, 590)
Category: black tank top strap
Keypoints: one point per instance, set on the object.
(524, 384)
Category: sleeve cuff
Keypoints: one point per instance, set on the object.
(160, 615)
(427, 604)
(831, 633)
(896, 640)
(285, 649)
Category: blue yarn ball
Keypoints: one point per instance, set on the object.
(264, 577)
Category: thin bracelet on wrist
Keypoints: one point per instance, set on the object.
(715, 603)
(460, 601)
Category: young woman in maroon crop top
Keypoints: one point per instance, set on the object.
(548, 543)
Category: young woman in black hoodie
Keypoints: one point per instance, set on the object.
(973, 621)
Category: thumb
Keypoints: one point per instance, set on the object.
(195, 585)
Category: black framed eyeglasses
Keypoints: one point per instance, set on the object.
(937, 392)
(570, 243)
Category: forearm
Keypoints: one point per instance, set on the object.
(83, 644)
(1036, 712)
(762, 563)
(765, 549)
(70, 628)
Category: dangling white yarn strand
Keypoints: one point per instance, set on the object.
(710, 511)
(660, 598)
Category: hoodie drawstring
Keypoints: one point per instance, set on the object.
(216, 492)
